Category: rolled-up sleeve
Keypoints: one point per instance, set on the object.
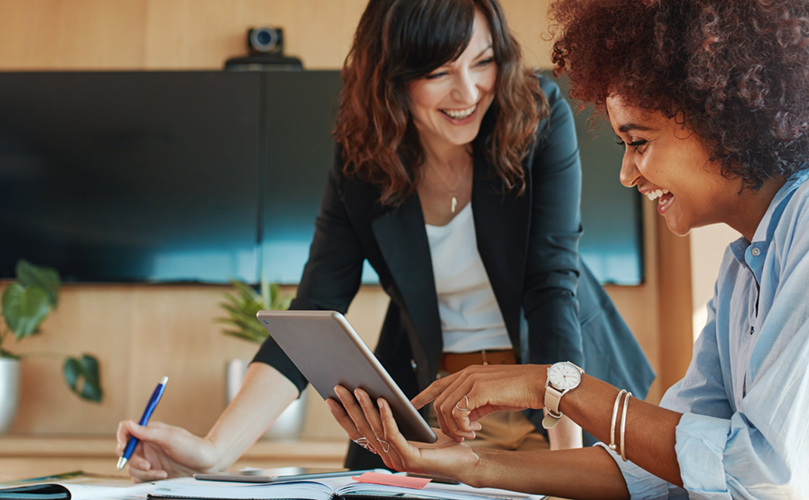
(645, 485)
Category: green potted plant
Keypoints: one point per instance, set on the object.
(241, 322)
(26, 303)
(243, 306)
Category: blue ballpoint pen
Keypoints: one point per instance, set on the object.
(132, 442)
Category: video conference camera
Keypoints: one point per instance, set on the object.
(265, 51)
(265, 40)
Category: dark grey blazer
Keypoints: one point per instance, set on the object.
(553, 307)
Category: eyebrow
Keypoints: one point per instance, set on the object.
(483, 51)
(490, 46)
(633, 126)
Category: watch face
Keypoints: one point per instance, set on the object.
(564, 376)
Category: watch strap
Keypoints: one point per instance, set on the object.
(552, 415)
(550, 421)
(552, 398)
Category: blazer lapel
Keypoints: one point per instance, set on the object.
(502, 221)
(402, 239)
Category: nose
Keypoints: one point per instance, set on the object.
(466, 88)
(630, 175)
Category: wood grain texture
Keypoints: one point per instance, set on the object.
(31, 457)
(204, 33)
(200, 34)
(72, 34)
(675, 311)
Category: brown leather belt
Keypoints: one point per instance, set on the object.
(454, 362)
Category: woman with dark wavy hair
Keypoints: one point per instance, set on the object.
(710, 101)
(457, 178)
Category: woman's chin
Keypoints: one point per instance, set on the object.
(677, 226)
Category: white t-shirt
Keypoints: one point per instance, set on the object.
(470, 317)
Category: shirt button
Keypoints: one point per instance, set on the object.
(414, 365)
(755, 251)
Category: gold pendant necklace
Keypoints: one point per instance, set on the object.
(454, 200)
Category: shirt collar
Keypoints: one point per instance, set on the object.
(751, 254)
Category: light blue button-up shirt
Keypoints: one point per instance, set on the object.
(744, 432)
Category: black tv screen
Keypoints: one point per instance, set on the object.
(204, 176)
(158, 176)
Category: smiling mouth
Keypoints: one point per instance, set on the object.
(460, 114)
(657, 193)
(663, 197)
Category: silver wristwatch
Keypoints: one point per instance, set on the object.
(562, 378)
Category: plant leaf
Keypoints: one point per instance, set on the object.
(275, 292)
(245, 335)
(45, 277)
(283, 303)
(241, 320)
(265, 289)
(247, 293)
(233, 300)
(25, 308)
(84, 370)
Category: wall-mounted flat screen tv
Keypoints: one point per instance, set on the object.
(204, 176)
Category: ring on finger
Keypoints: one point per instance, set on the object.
(465, 399)
(363, 441)
(385, 445)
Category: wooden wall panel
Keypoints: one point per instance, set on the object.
(204, 33)
(529, 23)
(198, 34)
(675, 310)
(141, 332)
(94, 320)
(74, 34)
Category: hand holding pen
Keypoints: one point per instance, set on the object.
(132, 443)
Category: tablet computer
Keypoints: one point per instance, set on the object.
(328, 352)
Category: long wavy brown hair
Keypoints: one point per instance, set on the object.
(735, 71)
(399, 41)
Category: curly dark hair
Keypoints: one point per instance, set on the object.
(399, 41)
(735, 71)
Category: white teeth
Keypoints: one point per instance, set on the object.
(657, 193)
(459, 114)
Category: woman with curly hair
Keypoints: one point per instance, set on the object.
(457, 177)
(710, 101)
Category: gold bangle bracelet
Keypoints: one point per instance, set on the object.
(615, 418)
(623, 425)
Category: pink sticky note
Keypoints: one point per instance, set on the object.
(416, 483)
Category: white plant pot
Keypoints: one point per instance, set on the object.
(9, 392)
(289, 424)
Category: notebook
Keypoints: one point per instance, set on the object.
(75, 485)
(344, 487)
